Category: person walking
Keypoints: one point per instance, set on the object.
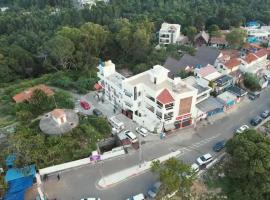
(58, 177)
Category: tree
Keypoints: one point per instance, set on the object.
(252, 82)
(214, 30)
(191, 32)
(174, 176)
(61, 50)
(236, 37)
(248, 169)
(39, 102)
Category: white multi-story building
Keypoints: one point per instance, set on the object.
(151, 98)
(261, 33)
(169, 33)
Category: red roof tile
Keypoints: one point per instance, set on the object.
(261, 53)
(232, 63)
(58, 113)
(250, 58)
(165, 97)
(26, 95)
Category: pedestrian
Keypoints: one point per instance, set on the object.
(58, 177)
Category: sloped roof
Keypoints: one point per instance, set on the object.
(27, 94)
(250, 58)
(202, 57)
(261, 53)
(58, 113)
(205, 71)
(202, 34)
(165, 97)
(232, 63)
(218, 40)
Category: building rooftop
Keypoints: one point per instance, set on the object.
(239, 92)
(232, 63)
(226, 97)
(116, 78)
(27, 94)
(223, 80)
(261, 53)
(191, 80)
(144, 78)
(169, 27)
(165, 97)
(250, 58)
(58, 113)
(219, 40)
(209, 104)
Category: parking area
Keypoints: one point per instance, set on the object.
(108, 111)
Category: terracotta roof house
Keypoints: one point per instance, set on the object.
(201, 38)
(27, 94)
(59, 116)
(250, 58)
(203, 56)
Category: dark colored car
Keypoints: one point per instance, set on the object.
(219, 146)
(256, 121)
(254, 95)
(97, 112)
(265, 114)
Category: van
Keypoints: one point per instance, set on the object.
(116, 124)
(131, 136)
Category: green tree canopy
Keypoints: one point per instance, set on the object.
(252, 82)
(236, 37)
(248, 170)
(174, 176)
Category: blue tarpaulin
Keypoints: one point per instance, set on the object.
(15, 173)
(19, 180)
(18, 187)
(10, 160)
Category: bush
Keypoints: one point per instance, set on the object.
(252, 82)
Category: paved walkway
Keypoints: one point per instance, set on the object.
(111, 180)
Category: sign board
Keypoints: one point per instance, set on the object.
(185, 116)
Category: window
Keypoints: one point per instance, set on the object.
(151, 108)
(159, 115)
(168, 116)
(129, 94)
(160, 105)
(155, 80)
(169, 106)
(139, 94)
(151, 98)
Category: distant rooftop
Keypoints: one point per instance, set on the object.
(191, 80)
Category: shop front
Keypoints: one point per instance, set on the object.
(183, 121)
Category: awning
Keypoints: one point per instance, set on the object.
(97, 86)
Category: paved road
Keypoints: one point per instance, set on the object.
(79, 183)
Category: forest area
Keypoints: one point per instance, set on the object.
(40, 37)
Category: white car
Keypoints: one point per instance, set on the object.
(137, 197)
(206, 158)
(142, 131)
(242, 129)
(91, 198)
(195, 167)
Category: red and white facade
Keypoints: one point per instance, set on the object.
(151, 98)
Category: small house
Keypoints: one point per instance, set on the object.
(59, 116)
(228, 100)
(201, 39)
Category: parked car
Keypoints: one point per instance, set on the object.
(204, 159)
(195, 167)
(91, 198)
(153, 190)
(85, 105)
(219, 146)
(254, 95)
(241, 129)
(131, 136)
(142, 131)
(117, 125)
(97, 112)
(256, 121)
(265, 114)
(137, 197)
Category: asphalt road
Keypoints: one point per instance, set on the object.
(81, 183)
